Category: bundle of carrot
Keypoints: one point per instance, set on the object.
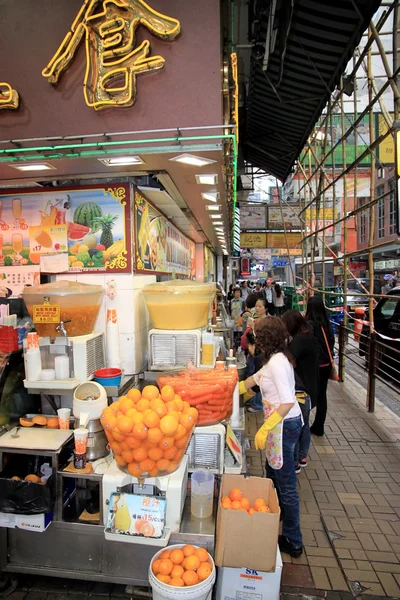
(210, 391)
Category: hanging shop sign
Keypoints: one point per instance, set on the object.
(9, 98)
(287, 217)
(245, 270)
(385, 148)
(279, 240)
(283, 251)
(89, 225)
(113, 58)
(253, 240)
(253, 217)
(160, 246)
(235, 94)
(396, 126)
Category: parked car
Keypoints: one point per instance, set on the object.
(386, 322)
(356, 294)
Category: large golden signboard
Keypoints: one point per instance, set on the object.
(9, 97)
(112, 59)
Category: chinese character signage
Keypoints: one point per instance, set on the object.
(278, 240)
(159, 246)
(90, 226)
(137, 515)
(253, 240)
(252, 217)
(114, 58)
(288, 216)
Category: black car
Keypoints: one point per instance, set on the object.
(386, 323)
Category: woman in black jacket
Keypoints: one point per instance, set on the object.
(318, 323)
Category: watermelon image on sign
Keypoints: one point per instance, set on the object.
(86, 213)
(76, 232)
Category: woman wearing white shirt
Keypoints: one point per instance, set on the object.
(282, 426)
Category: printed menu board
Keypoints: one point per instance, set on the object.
(89, 225)
(160, 246)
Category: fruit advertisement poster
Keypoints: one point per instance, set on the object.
(160, 247)
(90, 225)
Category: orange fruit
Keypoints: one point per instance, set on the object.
(226, 504)
(258, 502)
(132, 442)
(154, 435)
(138, 417)
(186, 406)
(149, 392)
(201, 554)
(191, 563)
(264, 509)
(179, 403)
(134, 395)
(245, 503)
(176, 582)
(171, 405)
(163, 464)
(165, 566)
(165, 554)
(147, 465)
(155, 453)
(127, 455)
(235, 494)
(166, 442)
(134, 469)
(169, 425)
(159, 407)
(124, 424)
(182, 442)
(171, 453)
(251, 511)
(118, 437)
(115, 447)
(132, 412)
(126, 404)
(172, 466)
(193, 412)
(142, 405)
(186, 420)
(153, 472)
(226, 499)
(177, 571)
(151, 418)
(235, 505)
(163, 578)
(139, 454)
(155, 566)
(177, 555)
(190, 577)
(188, 550)
(120, 461)
(204, 571)
(109, 421)
(140, 431)
(167, 393)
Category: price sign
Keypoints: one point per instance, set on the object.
(233, 444)
(46, 313)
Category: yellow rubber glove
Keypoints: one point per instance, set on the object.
(242, 388)
(248, 396)
(260, 439)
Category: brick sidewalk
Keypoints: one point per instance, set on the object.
(349, 500)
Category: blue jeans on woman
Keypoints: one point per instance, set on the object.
(303, 446)
(285, 481)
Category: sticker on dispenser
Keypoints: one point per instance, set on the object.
(46, 313)
(137, 515)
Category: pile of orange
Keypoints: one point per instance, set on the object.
(237, 501)
(149, 431)
(183, 566)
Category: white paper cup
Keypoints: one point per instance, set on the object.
(81, 438)
(64, 416)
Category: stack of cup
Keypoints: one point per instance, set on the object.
(112, 340)
(81, 439)
(33, 359)
(64, 416)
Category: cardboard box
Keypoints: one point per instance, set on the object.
(243, 540)
(38, 523)
(248, 583)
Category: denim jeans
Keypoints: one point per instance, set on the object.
(285, 481)
(255, 402)
(303, 446)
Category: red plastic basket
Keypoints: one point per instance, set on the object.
(8, 339)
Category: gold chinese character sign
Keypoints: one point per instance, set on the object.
(113, 61)
(9, 97)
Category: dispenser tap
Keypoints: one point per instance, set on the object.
(61, 329)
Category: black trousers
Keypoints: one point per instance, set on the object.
(322, 402)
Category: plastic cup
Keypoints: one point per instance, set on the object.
(81, 438)
(64, 416)
(202, 494)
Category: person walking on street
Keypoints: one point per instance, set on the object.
(267, 292)
(245, 290)
(236, 310)
(321, 328)
(304, 349)
(282, 426)
(278, 300)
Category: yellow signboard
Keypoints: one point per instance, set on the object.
(398, 152)
(386, 148)
(311, 213)
(253, 240)
(278, 240)
(284, 252)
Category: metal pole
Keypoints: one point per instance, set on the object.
(371, 373)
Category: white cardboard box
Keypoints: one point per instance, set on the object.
(246, 584)
(38, 523)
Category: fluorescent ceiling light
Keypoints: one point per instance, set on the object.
(120, 161)
(224, 252)
(210, 196)
(213, 206)
(218, 223)
(217, 216)
(34, 167)
(207, 179)
(221, 229)
(191, 159)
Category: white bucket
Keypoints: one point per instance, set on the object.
(163, 591)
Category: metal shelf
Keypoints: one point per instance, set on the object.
(89, 476)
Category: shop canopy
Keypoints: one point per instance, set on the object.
(314, 42)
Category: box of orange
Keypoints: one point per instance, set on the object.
(247, 535)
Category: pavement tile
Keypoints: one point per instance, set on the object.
(297, 576)
(336, 579)
(320, 577)
(373, 589)
(386, 557)
(366, 541)
(358, 575)
(389, 584)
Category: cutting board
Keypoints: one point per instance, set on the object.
(33, 438)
